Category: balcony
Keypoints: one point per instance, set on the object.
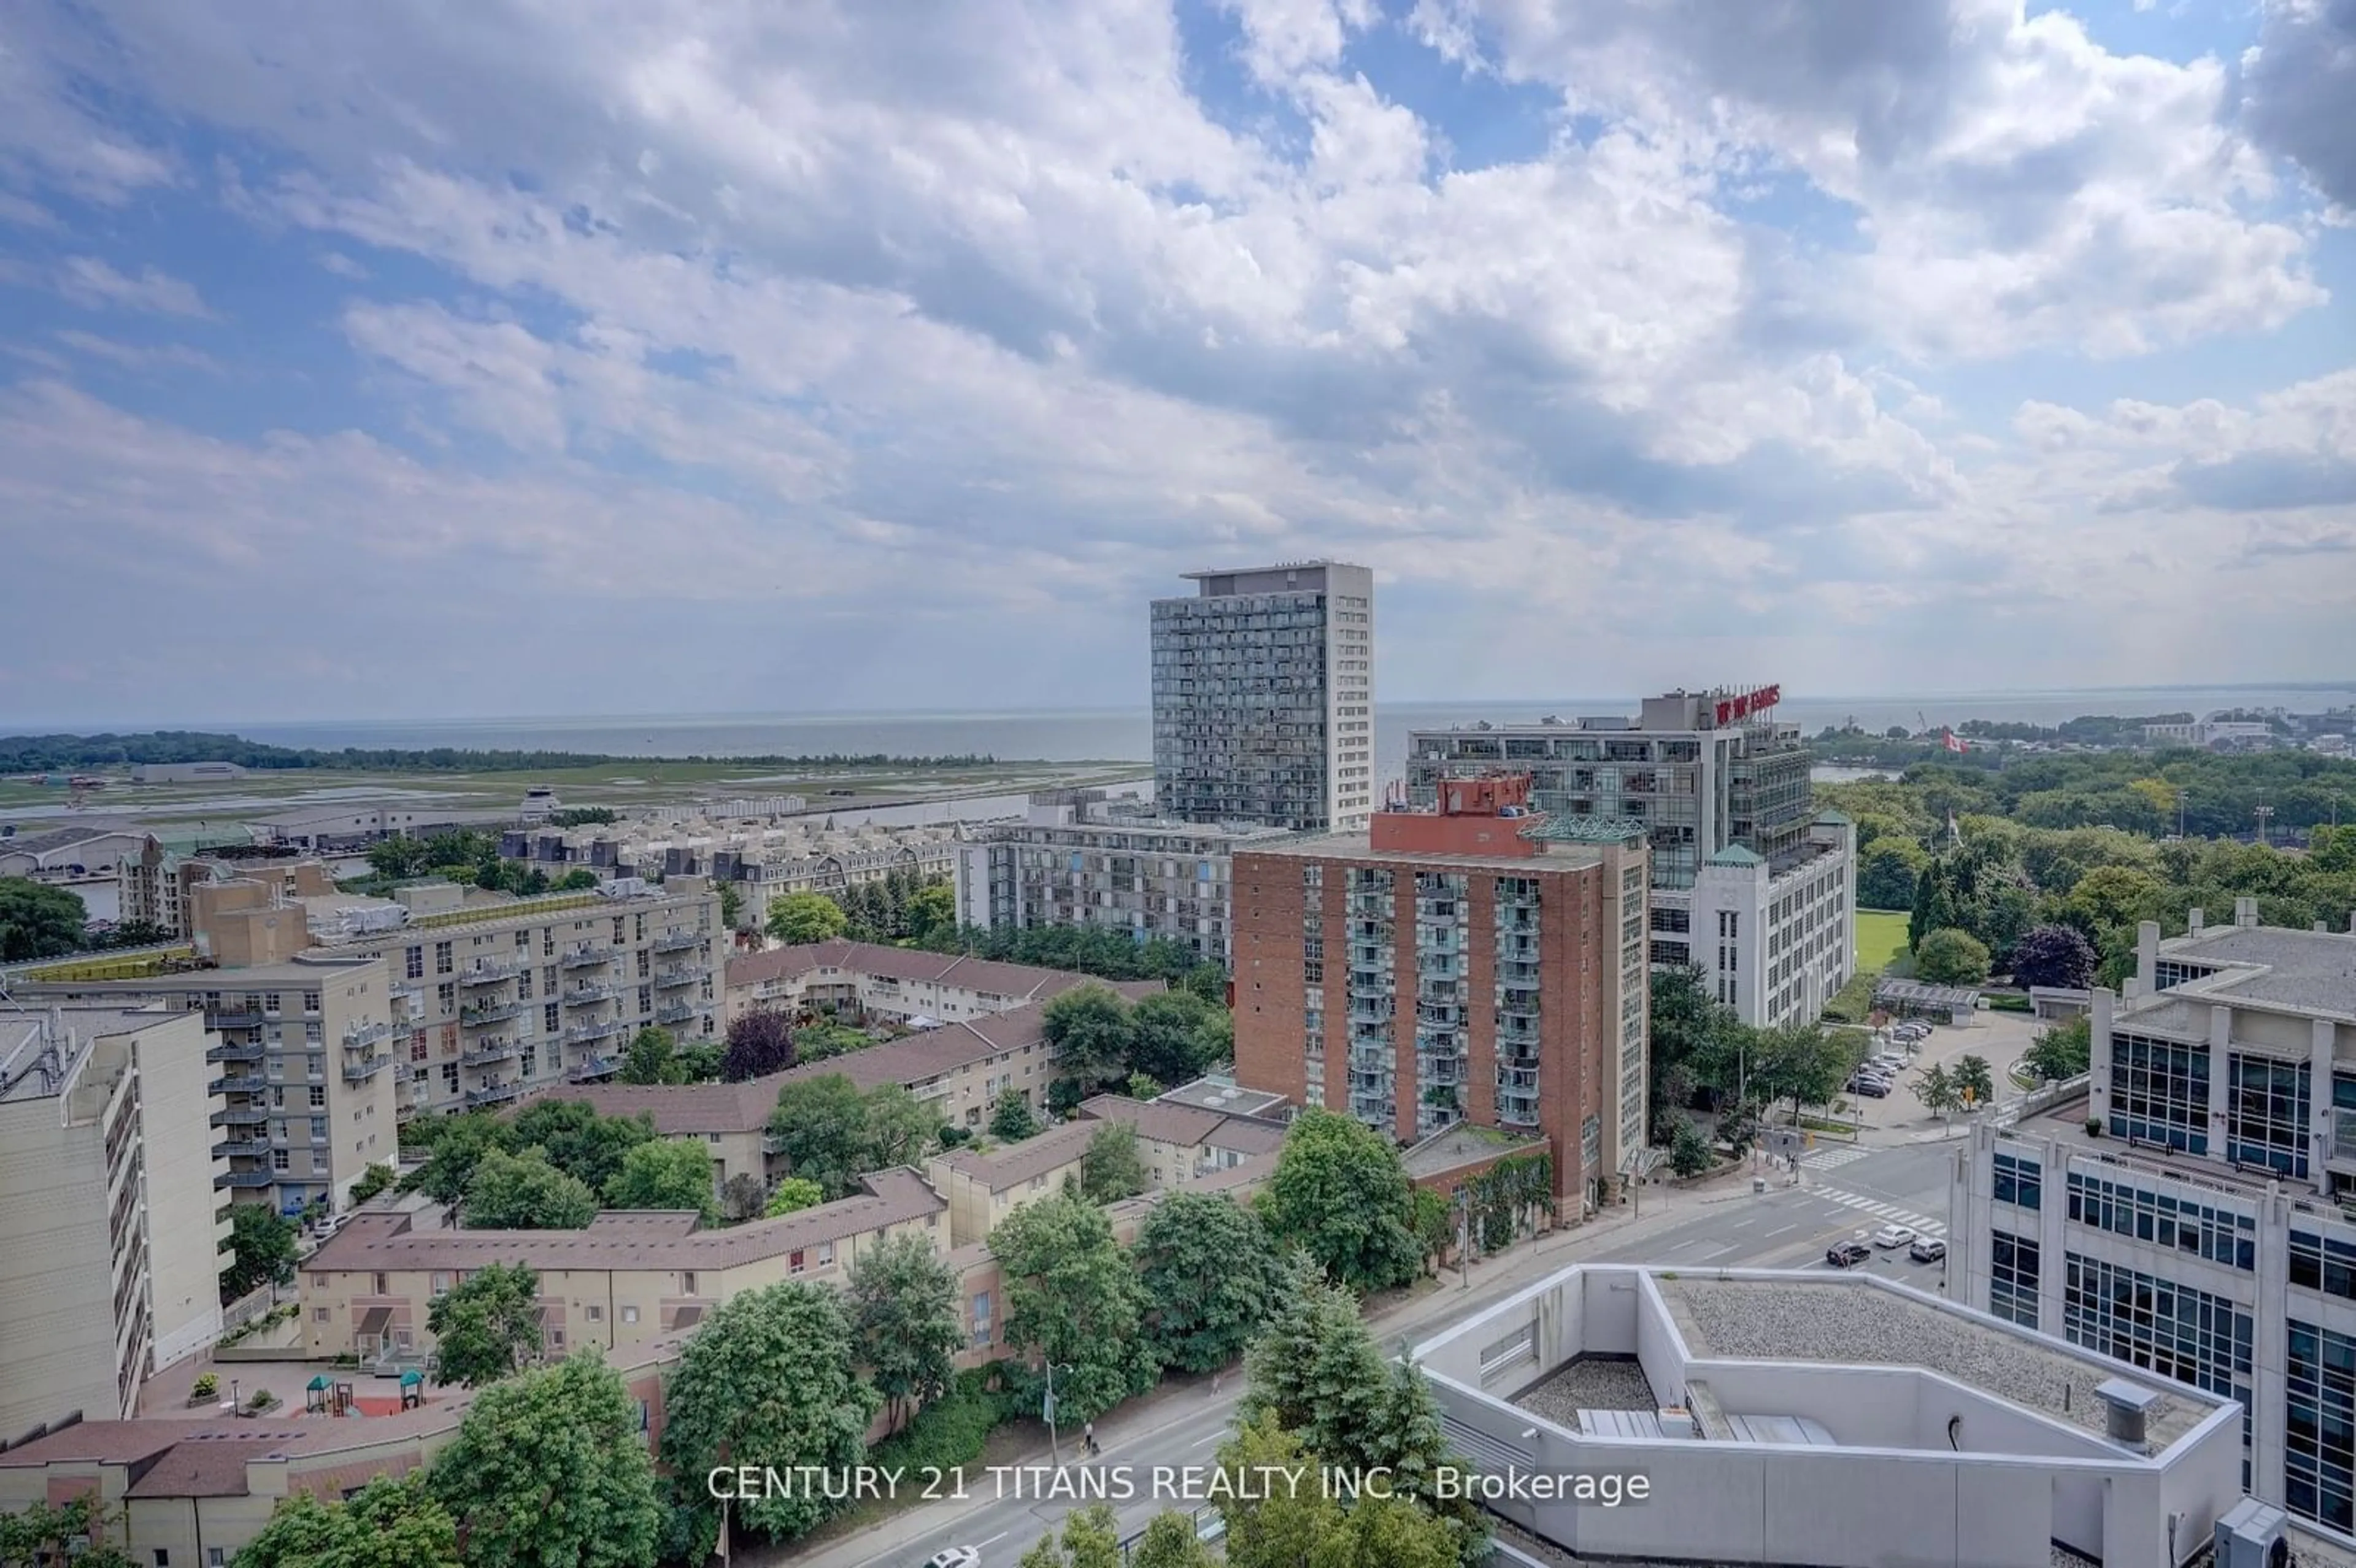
(579, 1034)
(242, 1148)
(678, 941)
(593, 1068)
(493, 1094)
(589, 996)
(488, 1051)
(1432, 1015)
(677, 974)
(360, 1071)
(239, 1051)
(491, 972)
(246, 1178)
(674, 1013)
(587, 958)
(239, 1116)
(496, 1013)
(772, 1144)
(234, 1018)
(360, 1037)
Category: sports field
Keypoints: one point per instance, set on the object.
(1880, 937)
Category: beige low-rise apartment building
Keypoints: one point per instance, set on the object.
(111, 1225)
(181, 1491)
(1186, 1145)
(302, 1057)
(626, 1279)
(896, 984)
(495, 997)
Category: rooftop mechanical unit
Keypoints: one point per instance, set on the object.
(2254, 1535)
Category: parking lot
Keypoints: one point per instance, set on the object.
(2001, 1037)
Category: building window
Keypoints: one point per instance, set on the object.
(413, 963)
(380, 1283)
(596, 1313)
(2020, 1180)
(2159, 1325)
(318, 1097)
(2219, 1235)
(2324, 1264)
(2266, 1113)
(2013, 1278)
(629, 1314)
(2159, 1092)
(442, 961)
(687, 1284)
(2319, 1428)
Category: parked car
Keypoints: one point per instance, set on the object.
(1927, 1249)
(1891, 1061)
(1870, 1088)
(1847, 1254)
(954, 1557)
(1893, 1235)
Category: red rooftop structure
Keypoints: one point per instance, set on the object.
(1485, 815)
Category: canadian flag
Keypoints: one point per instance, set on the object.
(1954, 742)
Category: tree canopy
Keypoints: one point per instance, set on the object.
(1073, 1298)
(1210, 1275)
(793, 1343)
(487, 1326)
(1089, 1033)
(550, 1469)
(759, 1042)
(37, 921)
(525, 1192)
(799, 919)
(1951, 957)
(904, 1322)
(389, 1523)
(261, 1249)
(665, 1173)
(1111, 1167)
(1341, 1191)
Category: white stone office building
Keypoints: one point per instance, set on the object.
(1839, 1421)
(1263, 699)
(111, 1225)
(1751, 884)
(1091, 862)
(2199, 1231)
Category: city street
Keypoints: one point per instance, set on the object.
(1843, 1192)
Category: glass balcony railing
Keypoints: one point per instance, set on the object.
(587, 958)
(491, 970)
(365, 1068)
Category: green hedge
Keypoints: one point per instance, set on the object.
(2001, 1002)
(947, 1433)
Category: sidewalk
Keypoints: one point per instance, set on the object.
(1397, 1324)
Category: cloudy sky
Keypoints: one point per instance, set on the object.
(455, 357)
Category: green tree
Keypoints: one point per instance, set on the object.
(2065, 1050)
(550, 1470)
(1887, 873)
(820, 1124)
(37, 921)
(1091, 1540)
(1011, 1120)
(793, 1343)
(1802, 1063)
(397, 857)
(1435, 1228)
(665, 1173)
(700, 1060)
(2054, 955)
(931, 912)
(525, 1192)
(898, 1128)
(742, 1196)
(261, 1249)
(1936, 1089)
(1951, 957)
(1210, 1272)
(1340, 1190)
(1974, 1080)
(580, 1142)
(487, 1327)
(1088, 1034)
(799, 919)
(1271, 1527)
(459, 1144)
(652, 1057)
(731, 906)
(793, 1195)
(1111, 1168)
(376, 1179)
(904, 1322)
(579, 879)
(1690, 1152)
(1074, 1299)
(389, 1523)
(1171, 1541)
(1175, 1036)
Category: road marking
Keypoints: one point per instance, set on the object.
(1000, 1536)
(1213, 1437)
(1745, 1224)
(1923, 1224)
(1772, 1234)
(1832, 1158)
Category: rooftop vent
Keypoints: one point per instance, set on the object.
(2253, 1535)
(2129, 1407)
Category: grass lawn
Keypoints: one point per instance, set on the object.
(1880, 937)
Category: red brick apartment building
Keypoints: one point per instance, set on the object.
(1474, 962)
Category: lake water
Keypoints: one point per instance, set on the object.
(1127, 734)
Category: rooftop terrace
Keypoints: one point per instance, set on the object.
(2306, 971)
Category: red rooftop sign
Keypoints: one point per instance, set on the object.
(1742, 705)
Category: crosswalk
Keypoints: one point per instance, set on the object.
(1833, 1158)
(1886, 1213)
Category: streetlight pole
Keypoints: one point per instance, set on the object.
(1054, 1451)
